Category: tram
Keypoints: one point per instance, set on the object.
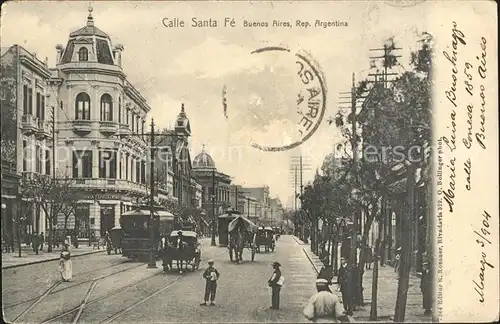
(136, 242)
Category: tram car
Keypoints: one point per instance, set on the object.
(135, 243)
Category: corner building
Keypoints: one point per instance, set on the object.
(101, 122)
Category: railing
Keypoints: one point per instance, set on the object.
(82, 125)
(43, 128)
(30, 122)
(113, 184)
(108, 126)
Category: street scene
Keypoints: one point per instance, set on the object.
(173, 171)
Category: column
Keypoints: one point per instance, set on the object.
(95, 214)
(95, 163)
(132, 168)
(117, 214)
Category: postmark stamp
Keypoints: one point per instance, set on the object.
(310, 99)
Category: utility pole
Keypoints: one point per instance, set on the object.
(152, 259)
(388, 63)
(406, 235)
(295, 204)
(214, 219)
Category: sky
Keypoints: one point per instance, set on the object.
(189, 65)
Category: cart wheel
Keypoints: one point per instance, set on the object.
(231, 254)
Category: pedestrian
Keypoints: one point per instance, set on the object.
(426, 288)
(276, 282)
(42, 240)
(211, 276)
(368, 257)
(65, 264)
(326, 272)
(381, 252)
(35, 242)
(324, 306)
(345, 282)
(6, 243)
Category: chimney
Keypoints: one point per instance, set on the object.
(60, 50)
(117, 53)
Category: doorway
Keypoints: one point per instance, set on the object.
(107, 218)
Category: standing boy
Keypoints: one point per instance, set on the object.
(211, 276)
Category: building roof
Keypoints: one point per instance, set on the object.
(89, 29)
(203, 160)
(90, 34)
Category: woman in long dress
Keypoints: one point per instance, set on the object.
(65, 265)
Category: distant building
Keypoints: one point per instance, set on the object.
(25, 135)
(276, 211)
(261, 195)
(245, 204)
(216, 185)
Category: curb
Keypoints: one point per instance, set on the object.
(311, 261)
(298, 241)
(48, 260)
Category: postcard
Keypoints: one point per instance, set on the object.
(249, 161)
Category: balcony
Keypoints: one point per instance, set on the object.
(44, 129)
(124, 129)
(108, 127)
(29, 125)
(116, 185)
(82, 126)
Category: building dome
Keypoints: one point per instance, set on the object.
(89, 44)
(203, 160)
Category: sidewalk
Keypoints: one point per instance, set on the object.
(11, 260)
(317, 264)
(386, 294)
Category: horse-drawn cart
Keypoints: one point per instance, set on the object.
(113, 239)
(265, 236)
(241, 235)
(185, 250)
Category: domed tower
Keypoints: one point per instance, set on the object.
(182, 126)
(203, 160)
(89, 44)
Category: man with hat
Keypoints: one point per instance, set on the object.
(324, 306)
(275, 282)
(345, 281)
(211, 276)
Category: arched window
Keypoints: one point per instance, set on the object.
(106, 108)
(82, 106)
(83, 54)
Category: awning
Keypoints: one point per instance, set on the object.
(242, 221)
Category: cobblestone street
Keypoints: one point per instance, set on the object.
(115, 290)
(242, 292)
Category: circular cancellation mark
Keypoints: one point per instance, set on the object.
(310, 100)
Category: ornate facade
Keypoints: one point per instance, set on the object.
(216, 185)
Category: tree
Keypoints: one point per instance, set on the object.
(48, 193)
(70, 207)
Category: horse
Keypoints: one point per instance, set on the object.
(236, 244)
